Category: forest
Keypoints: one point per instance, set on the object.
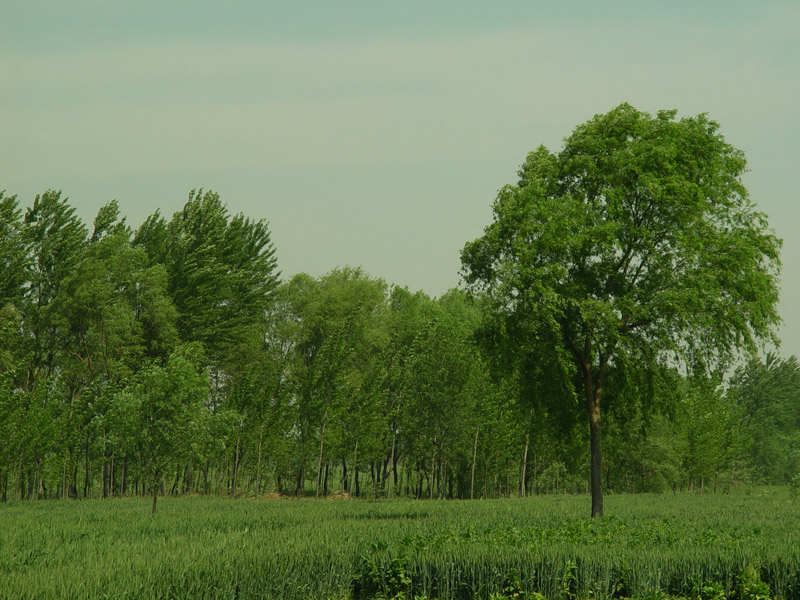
(173, 353)
(172, 357)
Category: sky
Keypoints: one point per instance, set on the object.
(376, 134)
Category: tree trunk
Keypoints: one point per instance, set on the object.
(485, 476)
(41, 489)
(87, 475)
(392, 466)
(321, 448)
(524, 466)
(508, 479)
(64, 474)
(354, 468)
(433, 472)
(106, 478)
(593, 407)
(175, 483)
(19, 486)
(106, 471)
(258, 463)
(73, 484)
(472, 475)
(156, 477)
(300, 489)
(236, 458)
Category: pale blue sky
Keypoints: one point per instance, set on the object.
(375, 133)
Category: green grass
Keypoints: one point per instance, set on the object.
(283, 549)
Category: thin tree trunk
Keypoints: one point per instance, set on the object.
(524, 466)
(105, 474)
(236, 459)
(321, 448)
(87, 475)
(258, 464)
(41, 489)
(68, 450)
(73, 484)
(433, 472)
(64, 475)
(19, 478)
(175, 483)
(485, 476)
(474, 458)
(300, 488)
(106, 471)
(391, 463)
(441, 488)
(354, 468)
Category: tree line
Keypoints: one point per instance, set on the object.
(172, 358)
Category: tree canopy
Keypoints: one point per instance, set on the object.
(634, 245)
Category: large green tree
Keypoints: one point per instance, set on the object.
(116, 313)
(12, 280)
(635, 245)
(337, 338)
(162, 412)
(54, 239)
(222, 271)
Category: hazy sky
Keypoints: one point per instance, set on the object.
(375, 133)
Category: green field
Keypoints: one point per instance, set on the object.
(647, 545)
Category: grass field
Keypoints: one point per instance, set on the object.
(646, 546)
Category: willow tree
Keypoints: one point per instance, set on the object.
(634, 245)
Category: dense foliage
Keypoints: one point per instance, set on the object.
(696, 547)
(171, 359)
(633, 248)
